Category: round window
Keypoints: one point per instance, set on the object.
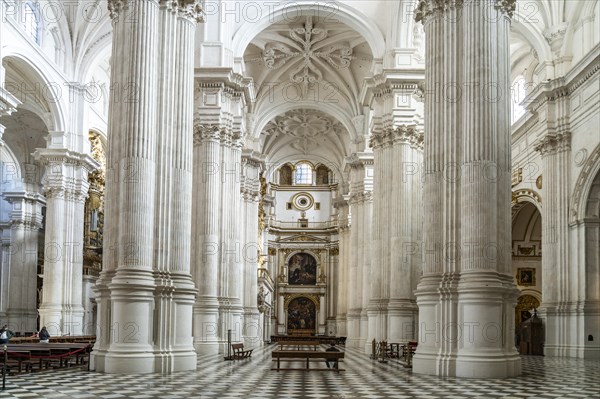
(302, 201)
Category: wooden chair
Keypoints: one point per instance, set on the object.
(239, 352)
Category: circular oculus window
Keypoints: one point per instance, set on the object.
(303, 201)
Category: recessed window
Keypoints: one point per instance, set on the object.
(303, 173)
(31, 21)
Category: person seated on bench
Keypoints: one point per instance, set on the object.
(332, 348)
(44, 336)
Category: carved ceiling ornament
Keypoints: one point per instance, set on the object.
(305, 127)
(306, 47)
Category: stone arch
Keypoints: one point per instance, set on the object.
(341, 12)
(46, 87)
(583, 185)
(525, 196)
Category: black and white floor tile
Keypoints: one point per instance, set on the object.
(363, 378)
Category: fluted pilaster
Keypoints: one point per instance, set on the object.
(22, 259)
(66, 187)
(207, 212)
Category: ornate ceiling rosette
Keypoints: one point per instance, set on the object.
(307, 50)
(303, 129)
(311, 58)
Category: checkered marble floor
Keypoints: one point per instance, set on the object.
(252, 378)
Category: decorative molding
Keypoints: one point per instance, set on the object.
(305, 127)
(287, 298)
(360, 198)
(116, 8)
(190, 10)
(553, 143)
(402, 134)
(304, 44)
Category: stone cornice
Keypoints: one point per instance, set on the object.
(28, 197)
(390, 81)
(226, 80)
(49, 156)
(253, 158)
(564, 86)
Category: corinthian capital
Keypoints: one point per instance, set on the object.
(116, 8)
(553, 143)
(426, 8)
(506, 6)
(191, 10)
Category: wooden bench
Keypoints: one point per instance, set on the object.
(298, 344)
(17, 358)
(239, 352)
(308, 355)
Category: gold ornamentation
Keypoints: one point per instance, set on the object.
(517, 176)
(272, 251)
(525, 303)
(538, 182)
(526, 276)
(287, 298)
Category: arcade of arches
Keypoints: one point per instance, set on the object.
(173, 170)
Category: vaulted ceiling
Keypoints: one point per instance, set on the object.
(305, 132)
(310, 60)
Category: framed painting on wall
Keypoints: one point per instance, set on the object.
(526, 276)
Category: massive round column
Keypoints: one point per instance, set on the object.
(466, 296)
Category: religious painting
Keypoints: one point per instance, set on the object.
(302, 269)
(302, 315)
(526, 276)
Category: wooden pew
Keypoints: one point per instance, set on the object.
(308, 355)
(298, 344)
(53, 354)
(17, 358)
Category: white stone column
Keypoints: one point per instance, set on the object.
(126, 288)
(434, 309)
(281, 319)
(466, 329)
(341, 281)
(66, 187)
(557, 298)
(25, 222)
(206, 231)
(360, 203)
(230, 287)
(396, 233)
(251, 247)
(178, 322)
